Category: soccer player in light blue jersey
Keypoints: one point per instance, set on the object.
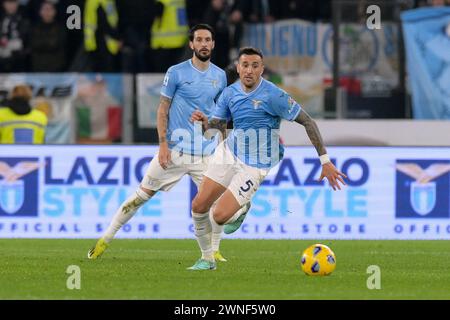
(192, 85)
(242, 161)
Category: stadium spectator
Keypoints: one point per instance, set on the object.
(195, 10)
(136, 18)
(236, 26)
(102, 40)
(13, 32)
(216, 15)
(74, 37)
(261, 11)
(47, 42)
(169, 34)
(19, 123)
(299, 9)
(32, 9)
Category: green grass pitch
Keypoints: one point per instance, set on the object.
(256, 269)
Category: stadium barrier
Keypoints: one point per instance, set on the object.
(73, 192)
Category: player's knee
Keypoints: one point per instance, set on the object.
(220, 216)
(199, 206)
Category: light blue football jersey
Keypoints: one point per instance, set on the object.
(191, 89)
(255, 138)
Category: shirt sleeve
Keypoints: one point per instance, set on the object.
(224, 81)
(170, 83)
(223, 85)
(284, 106)
(221, 110)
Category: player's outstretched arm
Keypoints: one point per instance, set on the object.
(328, 169)
(161, 124)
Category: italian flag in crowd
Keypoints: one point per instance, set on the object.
(99, 106)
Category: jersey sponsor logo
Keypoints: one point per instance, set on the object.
(422, 188)
(19, 186)
(256, 103)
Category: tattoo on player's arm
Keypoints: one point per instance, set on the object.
(312, 130)
(162, 118)
(215, 125)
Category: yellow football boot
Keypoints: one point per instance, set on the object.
(98, 249)
(219, 257)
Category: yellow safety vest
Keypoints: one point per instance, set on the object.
(90, 24)
(170, 31)
(28, 128)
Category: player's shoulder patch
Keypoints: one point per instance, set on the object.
(174, 72)
(166, 78)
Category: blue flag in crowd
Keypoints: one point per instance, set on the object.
(427, 44)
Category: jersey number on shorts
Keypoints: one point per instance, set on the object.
(248, 183)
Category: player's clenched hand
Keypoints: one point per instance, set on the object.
(197, 115)
(164, 155)
(333, 175)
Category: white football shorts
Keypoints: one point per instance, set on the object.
(242, 180)
(156, 178)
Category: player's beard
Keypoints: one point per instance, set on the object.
(202, 57)
(249, 84)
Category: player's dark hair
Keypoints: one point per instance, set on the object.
(250, 51)
(201, 26)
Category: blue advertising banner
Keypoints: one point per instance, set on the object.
(73, 192)
(427, 43)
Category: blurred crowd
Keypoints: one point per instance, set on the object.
(135, 35)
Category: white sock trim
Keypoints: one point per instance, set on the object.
(235, 216)
(142, 194)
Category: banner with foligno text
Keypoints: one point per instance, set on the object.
(74, 191)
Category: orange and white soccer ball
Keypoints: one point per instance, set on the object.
(318, 260)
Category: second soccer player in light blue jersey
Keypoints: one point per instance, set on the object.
(189, 89)
(242, 161)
